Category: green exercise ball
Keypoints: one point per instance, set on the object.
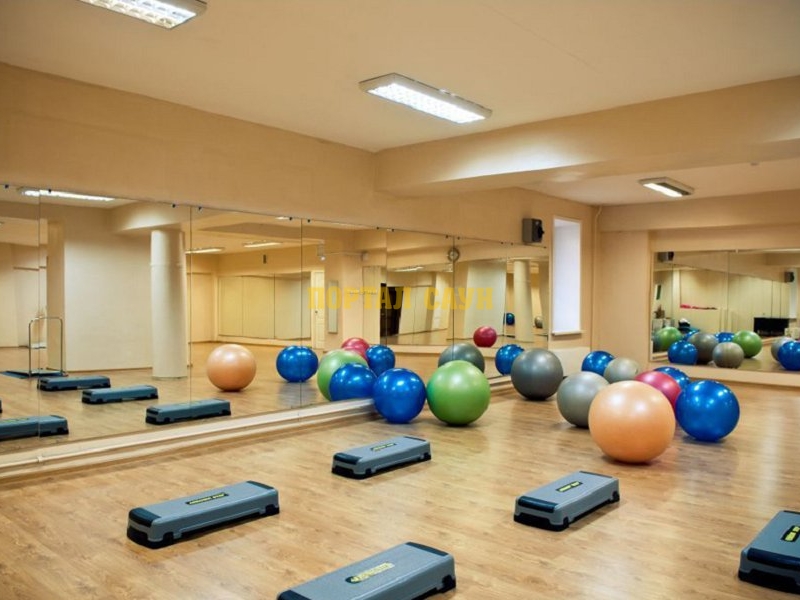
(665, 337)
(458, 393)
(330, 363)
(749, 341)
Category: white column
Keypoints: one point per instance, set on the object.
(523, 310)
(168, 303)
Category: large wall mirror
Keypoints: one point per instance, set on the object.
(143, 292)
(727, 291)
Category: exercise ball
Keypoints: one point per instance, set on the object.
(330, 363)
(789, 356)
(399, 395)
(380, 358)
(509, 318)
(463, 351)
(678, 375)
(351, 380)
(296, 363)
(690, 334)
(458, 393)
(505, 357)
(663, 383)
(750, 342)
(575, 395)
(728, 355)
(357, 345)
(705, 344)
(724, 336)
(536, 374)
(621, 369)
(596, 361)
(707, 410)
(777, 343)
(538, 323)
(484, 336)
(665, 337)
(631, 421)
(231, 367)
(682, 353)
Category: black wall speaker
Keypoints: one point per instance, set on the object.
(788, 276)
(532, 231)
(664, 257)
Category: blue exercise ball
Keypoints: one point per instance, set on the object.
(399, 395)
(296, 363)
(682, 353)
(380, 358)
(509, 318)
(707, 410)
(597, 361)
(505, 357)
(724, 336)
(789, 356)
(678, 375)
(352, 380)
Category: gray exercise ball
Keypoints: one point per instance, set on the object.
(464, 351)
(575, 395)
(776, 345)
(728, 355)
(705, 344)
(621, 369)
(536, 374)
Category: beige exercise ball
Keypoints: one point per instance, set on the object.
(231, 367)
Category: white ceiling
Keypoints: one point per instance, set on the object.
(296, 64)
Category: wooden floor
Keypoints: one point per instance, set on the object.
(676, 533)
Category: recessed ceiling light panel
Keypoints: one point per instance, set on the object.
(668, 187)
(164, 13)
(34, 193)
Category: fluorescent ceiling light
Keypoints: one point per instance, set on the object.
(164, 13)
(409, 269)
(425, 98)
(206, 250)
(668, 187)
(64, 195)
(284, 218)
(261, 244)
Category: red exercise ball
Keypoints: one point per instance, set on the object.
(231, 367)
(663, 383)
(484, 336)
(357, 345)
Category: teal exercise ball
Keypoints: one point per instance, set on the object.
(330, 363)
(458, 393)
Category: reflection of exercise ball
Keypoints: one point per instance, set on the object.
(724, 336)
(728, 355)
(505, 357)
(484, 336)
(380, 358)
(399, 395)
(538, 323)
(665, 337)
(509, 318)
(329, 364)
(678, 375)
(789, 356)
(352, 380)
(357, 345)
(296, 363)
(750, 342)
(458, 393)
(536, 374)
(463, 351)
(621, 369)
(682, 353)
(705, 344)
(707, 410)
(596, 361)
(663, 383)
(776, 345)
(631, 421)
(231, 367)
(575, 395)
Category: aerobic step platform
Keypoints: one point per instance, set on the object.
(365, 461)
(161, 524)
(406, 572)
(557, 504)
(119, 394)
(772, 559)
(78, 382)
(33, 426)
(163, 414)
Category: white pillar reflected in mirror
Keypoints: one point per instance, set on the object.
(168, 303)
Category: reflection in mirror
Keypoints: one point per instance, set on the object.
(726, 292)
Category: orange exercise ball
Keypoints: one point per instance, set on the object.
(231, 367)
(631, 421)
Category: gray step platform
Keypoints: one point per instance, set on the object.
(772, 559)
(33, 426)
(77, 382)
(164, 414)
(557, 504)
(365, 461)
(162, 524)
(405, 572)
(119, 394)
